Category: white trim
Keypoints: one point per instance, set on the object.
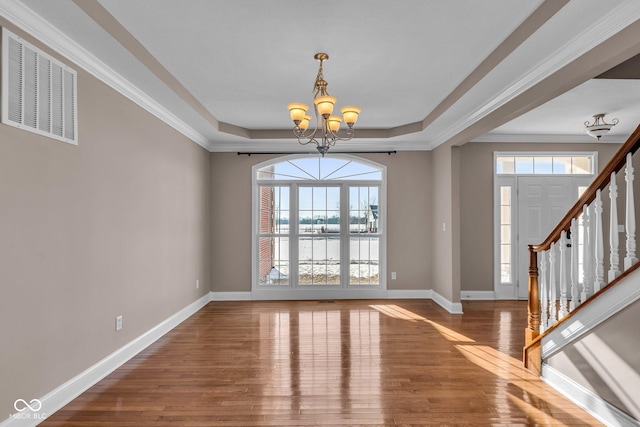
(230, 296)
(586, 399)
(30, 22)
(547, 139)
(592, 154)
(317, 294)
(65, 393)
(597, 311)
(503, 290)
(451, 307)
(477, 295)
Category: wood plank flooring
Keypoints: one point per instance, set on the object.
(342, 363)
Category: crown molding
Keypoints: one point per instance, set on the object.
(30, 22)
(613, 22)
(547, 138)
(292, 146)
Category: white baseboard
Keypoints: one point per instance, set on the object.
(230, 296)
(586, 399)
(451, 307)
(71, 389)
(248, 296)
(477, 295)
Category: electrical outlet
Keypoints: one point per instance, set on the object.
(393, 275)
(197, 283)
(118, 323)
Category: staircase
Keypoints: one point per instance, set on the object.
(583, 332)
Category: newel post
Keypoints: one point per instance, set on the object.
(533, 324)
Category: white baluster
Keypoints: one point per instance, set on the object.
(586, 254)
(614, 257)
(630, 217)
(544, 293)
(575, 286)
(598, 281)
(553, 317)
(562, 311)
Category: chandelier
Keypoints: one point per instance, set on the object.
(326, 131)
(599, 128)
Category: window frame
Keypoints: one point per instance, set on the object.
(294, 289)
(511, 180)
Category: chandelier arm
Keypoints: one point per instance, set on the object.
(336, 137)
(309, 141)
(306, 134)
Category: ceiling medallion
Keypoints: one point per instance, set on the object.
(327, 127)
(599, 127)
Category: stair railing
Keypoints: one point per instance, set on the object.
(571, 267)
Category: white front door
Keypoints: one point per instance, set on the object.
(541, 203)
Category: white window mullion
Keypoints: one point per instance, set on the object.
(294, 233)
(345, 238)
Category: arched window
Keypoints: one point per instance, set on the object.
(319, 226)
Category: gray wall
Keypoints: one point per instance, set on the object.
(606, 361)
(409, 207)
(117, 225)
(476, 203)
(445, 225)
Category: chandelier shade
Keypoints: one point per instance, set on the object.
(304, 124)
(326, 130)
(334, 123)
(599, 127)
(297, 111)
(325, 104)
(350, 114)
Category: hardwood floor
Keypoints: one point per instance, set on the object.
(347, 363)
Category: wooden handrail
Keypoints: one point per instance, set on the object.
(600, 182)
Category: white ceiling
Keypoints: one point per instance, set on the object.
(424, 72)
